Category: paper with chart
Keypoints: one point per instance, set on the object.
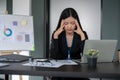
(16, 32)
(52, 63)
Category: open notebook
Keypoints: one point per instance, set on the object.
(106, 48)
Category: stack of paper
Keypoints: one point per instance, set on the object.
(52, 63)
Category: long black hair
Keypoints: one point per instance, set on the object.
(67, 12)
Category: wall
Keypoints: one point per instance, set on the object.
(2, 6)
(9, 6)
(39, 27)
(110, 21)
(22, 7)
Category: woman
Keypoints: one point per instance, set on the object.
(68, 38)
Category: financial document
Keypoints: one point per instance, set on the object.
(51, 63)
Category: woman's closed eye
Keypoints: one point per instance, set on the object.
(66, 23)
(72, 23)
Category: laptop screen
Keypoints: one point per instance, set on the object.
(106, 48)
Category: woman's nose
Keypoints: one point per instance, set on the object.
(69, 25)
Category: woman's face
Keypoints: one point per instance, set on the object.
(69, 25)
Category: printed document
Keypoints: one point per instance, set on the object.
(52, 63)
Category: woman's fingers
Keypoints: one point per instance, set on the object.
(62, 24)
(77, 25)
(61, 29)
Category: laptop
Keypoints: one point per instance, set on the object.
(13, 58)
(106, 48)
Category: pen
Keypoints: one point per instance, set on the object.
(77, 61)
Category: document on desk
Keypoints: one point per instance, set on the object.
(51, 64)
(64, 62)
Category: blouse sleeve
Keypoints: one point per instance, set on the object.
(54, 48)
(83, 42)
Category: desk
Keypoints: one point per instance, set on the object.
(103, 70)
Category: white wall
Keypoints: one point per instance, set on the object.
(22, 7)
(89, 12)
(2, 6)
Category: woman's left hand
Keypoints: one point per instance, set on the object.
(79, 31)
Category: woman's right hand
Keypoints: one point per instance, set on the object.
(61, 29)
